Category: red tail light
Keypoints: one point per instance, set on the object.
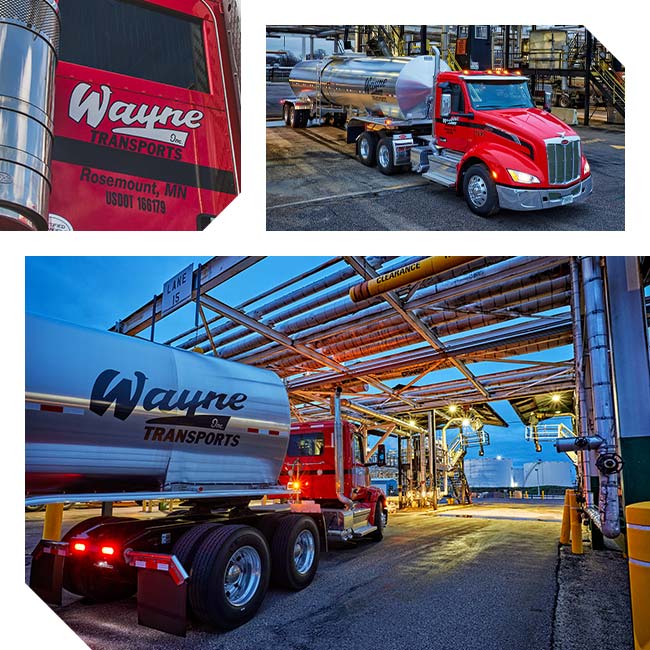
(108, 550)
(80, 547)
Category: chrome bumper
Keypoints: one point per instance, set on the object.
(515, 198)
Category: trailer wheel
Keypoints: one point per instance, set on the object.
(367, 148)
(380, 520)
(230, 576)
(565, 101)
(285, 113)
(298, 118)
(480, 191)
(385, 157)
(295, 550)
(188, 544)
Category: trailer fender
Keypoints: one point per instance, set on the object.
(498, 159)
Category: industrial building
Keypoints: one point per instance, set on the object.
(421, 361)
(350, 88)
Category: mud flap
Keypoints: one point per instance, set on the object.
(162, 592)
(46, 576)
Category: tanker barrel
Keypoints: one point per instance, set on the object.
(395, 87)
(29, 41)
(107, 413)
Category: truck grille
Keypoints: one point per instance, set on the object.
(563, 160)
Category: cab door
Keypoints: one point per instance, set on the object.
(454, 126)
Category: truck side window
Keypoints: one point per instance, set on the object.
(457, 99)
(136, 40)
(358, 448)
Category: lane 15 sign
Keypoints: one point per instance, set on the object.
(177, 291)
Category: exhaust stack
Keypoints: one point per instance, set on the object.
(29, 42)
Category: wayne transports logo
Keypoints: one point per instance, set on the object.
(126, 398)
(94, 105)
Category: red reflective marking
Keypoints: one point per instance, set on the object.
(253, 431)
(53, 409)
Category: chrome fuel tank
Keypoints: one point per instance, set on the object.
(29, 40)
(397, 87)
(109, 413)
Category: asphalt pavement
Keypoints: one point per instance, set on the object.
(314, 182)
(457, 583)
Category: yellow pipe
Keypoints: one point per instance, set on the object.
(565, 532)
(407, 274)
(576, 525)
(637, 517)
(53, 521)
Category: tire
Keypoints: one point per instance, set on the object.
(233, 555)
(295, 550)
(367, 148)
(380, 521)
(81, 578)
(187, 546)
(385, 157)
(565, 101)
(480, 191)
(285, 113)
(293, 117)
(34, 508)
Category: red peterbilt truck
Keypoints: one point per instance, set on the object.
(117, 115)
(311, 468)
(488, 140)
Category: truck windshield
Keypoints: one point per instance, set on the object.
(488, 95)
(306, 444)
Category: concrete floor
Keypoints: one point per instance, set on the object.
(459, 582)
(314, 182)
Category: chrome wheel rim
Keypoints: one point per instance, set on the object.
(304, 551)
(364, 148)
(242, 576)
(477, 190)
(384, 156)
(384, 518)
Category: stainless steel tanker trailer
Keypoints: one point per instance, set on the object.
(477, 132)
(112, 418)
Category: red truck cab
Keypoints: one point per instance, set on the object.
(310, 467)
(138, 125)
(508, 153)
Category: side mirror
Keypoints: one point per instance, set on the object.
(381, 455)
(548, 98)
(445, 105)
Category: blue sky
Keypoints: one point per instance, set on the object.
(98, 291)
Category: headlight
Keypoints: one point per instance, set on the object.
(587, 169)
(522, 177)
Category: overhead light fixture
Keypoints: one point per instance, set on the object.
(556, 398)
(453, 408)
(466, 422)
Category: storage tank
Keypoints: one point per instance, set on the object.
(397, 87)
(110, 413)
(489, 472)
(551, 472)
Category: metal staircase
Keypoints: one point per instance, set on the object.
(609, 86)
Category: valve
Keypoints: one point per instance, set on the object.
(609, 463)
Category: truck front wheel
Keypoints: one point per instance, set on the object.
(230, 576)
(380, 520)
(294, 552)
(480, 191)
(367, 149)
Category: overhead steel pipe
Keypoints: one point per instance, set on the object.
(406, 275)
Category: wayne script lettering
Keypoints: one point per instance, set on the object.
(126, 397)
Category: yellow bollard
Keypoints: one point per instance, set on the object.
(53, 521)
(637, 517)
(542, 495)
(576, 526)
(565, 533)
